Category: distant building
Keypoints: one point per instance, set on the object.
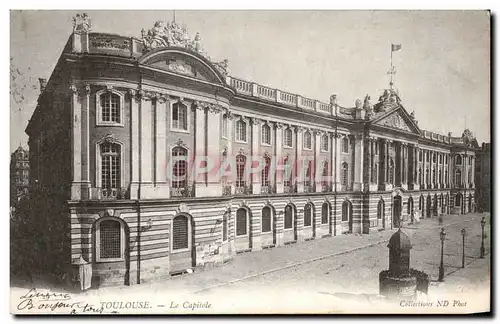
(483, 176)
(19, 175)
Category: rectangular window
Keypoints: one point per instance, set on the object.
(110, 239)
(266, 134)
(345, 145)
(179, 116)
(241, 131)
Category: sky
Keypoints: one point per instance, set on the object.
(443, 67)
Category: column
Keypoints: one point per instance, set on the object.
(299, 161)
(389, 185)
(383, 164)
(473, 167)
(255, 151)
(358, 162)
(85, 188)
(134, 142)
(229, 152)
(333, 167)
(424, 168)
(161, 186)
(199, 146)
(279, 175)
(76, 140)
(146, 189)
(213, 186)
(337, 161)
(318, 164)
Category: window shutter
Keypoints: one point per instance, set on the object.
(180, 239)
(241, 222)
(266, 219)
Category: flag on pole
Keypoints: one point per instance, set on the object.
(395, 47)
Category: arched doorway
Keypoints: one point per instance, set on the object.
(181, 243)
(309, 222)
(325, 218)
(410, 208)
(381, 214)
(347, 215)
(428, 207)
(435, 205)
(458, 202)
(111, 246)
(290, 224)
(268, 227)
(396, 211)
(243, 238)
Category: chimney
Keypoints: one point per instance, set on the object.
(43, 84)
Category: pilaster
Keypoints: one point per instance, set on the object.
(134, 141)
(213, 185)
(358, 162)
(300, 167)
(76, 140)
(199, 147)
(255, 152)
(279, 175)
(146, 188)
(318, 174)
(161, 186)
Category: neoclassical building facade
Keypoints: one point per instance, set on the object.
(124, 126)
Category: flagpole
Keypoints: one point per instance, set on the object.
(391, 69)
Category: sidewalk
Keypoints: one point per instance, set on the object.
(253, 264)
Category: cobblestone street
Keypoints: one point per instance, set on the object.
(317, 275)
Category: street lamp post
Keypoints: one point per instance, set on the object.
(464, 232)
(483, 222)
(442, 235)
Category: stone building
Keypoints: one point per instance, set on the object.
(483, 175)
(122, 121)
(19, 175)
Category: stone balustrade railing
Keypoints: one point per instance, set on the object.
(278, 96)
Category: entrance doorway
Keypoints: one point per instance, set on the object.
(396, 211)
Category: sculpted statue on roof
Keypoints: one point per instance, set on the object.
(171, 34)
(467, 137)
(81, 23)
(388, 100)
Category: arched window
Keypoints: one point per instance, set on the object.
(458, 160)
(266, 134)
(287, 137)
(180, 233)
(380, 209)
(307, 215)
(241, 222)
(110, 169)
(224, 228)
(345, 174)
(179, 116)
(179, 171)
(289, 214)
(325, 213)
(288, 172)
(458, 200)
(266, 219)
(265, 171)
(458, 177)
(110, 108)
(391, 171)
(346, 211)
(324, 142)
(325, 174)
(421, 203)
(110, 240)
(345, 145)
(241, 131)
(307, 140)
(240, 170)
(224, 125)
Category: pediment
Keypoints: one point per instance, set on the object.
(183, 62)
(398, 119)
